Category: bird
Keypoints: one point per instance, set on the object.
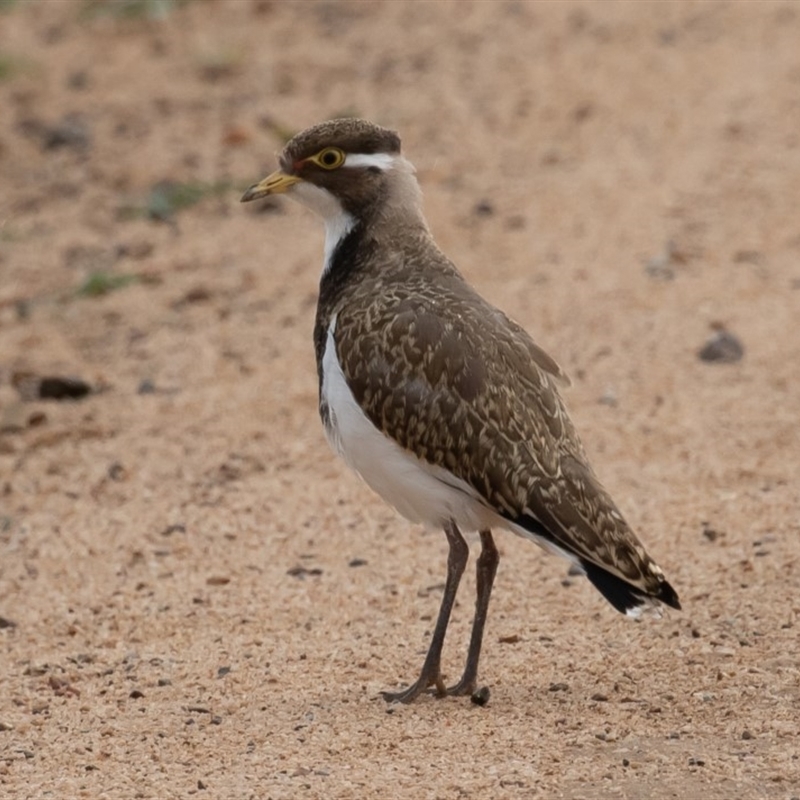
(443, 404)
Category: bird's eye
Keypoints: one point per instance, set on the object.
(330, 158)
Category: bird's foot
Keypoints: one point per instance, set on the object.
(466, 686)
(438, 689)
(420, 686)
(433, 684)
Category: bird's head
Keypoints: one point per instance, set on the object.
(348, 166)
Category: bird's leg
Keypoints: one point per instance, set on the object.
(431, 674)
(486, 570)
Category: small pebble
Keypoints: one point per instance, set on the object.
(116, 472)
(36, 418)
(301, 572)
(608, 398)
(49, 387)
(480, 697)
(661, 266)
(72, 131)
(721, 348)
(712, 534)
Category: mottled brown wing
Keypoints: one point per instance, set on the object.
(453, 380)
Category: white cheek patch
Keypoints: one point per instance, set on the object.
(382, 161)
(320, 201)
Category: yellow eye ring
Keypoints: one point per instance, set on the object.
(329, 158)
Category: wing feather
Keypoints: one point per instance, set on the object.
(456, 382)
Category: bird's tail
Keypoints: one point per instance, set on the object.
(640, 594)
(626, 597)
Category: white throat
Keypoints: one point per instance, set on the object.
(338, 223)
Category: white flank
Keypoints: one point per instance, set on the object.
(382, 161)
(338, 223)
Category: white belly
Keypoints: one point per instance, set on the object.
(421, 492)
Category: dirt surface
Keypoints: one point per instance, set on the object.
(196, 597)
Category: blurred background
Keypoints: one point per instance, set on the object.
(623, 178)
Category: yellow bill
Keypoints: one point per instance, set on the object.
(276, 183)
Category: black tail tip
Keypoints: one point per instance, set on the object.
(668, 596)
(626, 597)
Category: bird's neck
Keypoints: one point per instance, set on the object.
(377, 240)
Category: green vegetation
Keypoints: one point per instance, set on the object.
(6, 66)
(100, 283)
(11, 65)
(168, 197)
(10, 233)
(130, 9)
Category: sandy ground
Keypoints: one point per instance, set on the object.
(196, 597)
